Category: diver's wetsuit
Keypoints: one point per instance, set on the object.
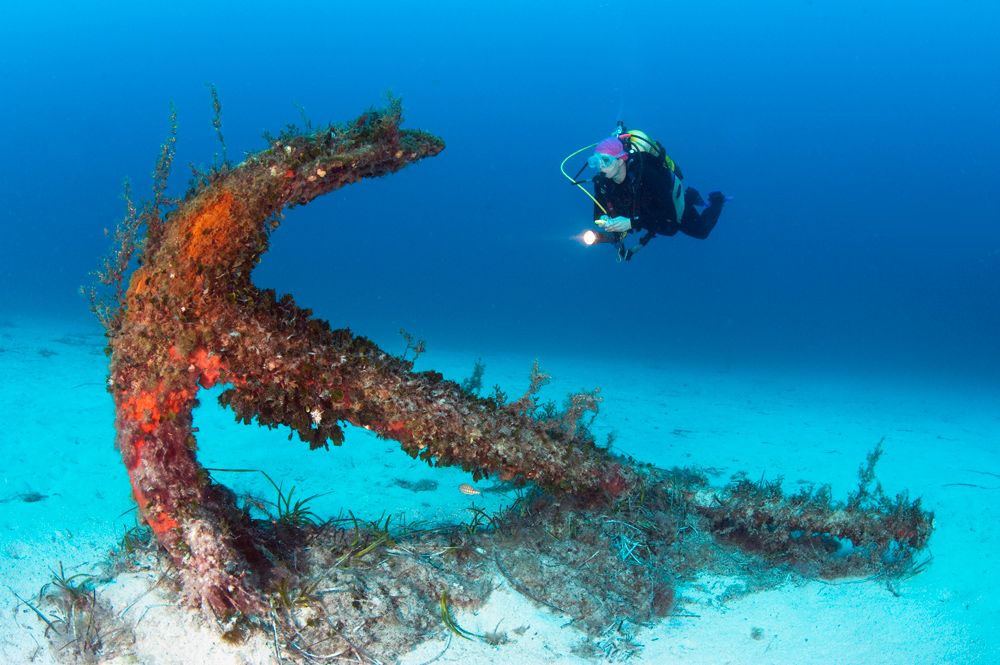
(644, 196)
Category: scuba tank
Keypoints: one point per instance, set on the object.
(639, 141)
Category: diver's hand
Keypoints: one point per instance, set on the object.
(618, 225)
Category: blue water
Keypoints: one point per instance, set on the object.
(858, 139)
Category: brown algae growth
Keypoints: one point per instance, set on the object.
(596, 537)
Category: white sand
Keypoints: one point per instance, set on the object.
(809, 425)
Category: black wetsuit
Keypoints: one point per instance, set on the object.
(645, 197)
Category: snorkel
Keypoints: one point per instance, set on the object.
(597, 160)
(573, 179)
(592, 163)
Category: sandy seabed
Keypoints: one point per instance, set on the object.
(65, 499)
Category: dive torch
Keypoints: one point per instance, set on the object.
(591, 237)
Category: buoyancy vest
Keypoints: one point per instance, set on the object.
(639, 141)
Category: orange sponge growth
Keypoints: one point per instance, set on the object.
(193, 318)
(206, 234)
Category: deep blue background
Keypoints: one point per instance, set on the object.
(859, 139)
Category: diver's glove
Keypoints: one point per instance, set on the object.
(618, 225)
(693, 198)
(718, 198)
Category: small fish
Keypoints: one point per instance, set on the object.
(466, 488)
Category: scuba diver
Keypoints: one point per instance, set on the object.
(638, 188)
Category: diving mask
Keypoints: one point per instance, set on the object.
(600, 160)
